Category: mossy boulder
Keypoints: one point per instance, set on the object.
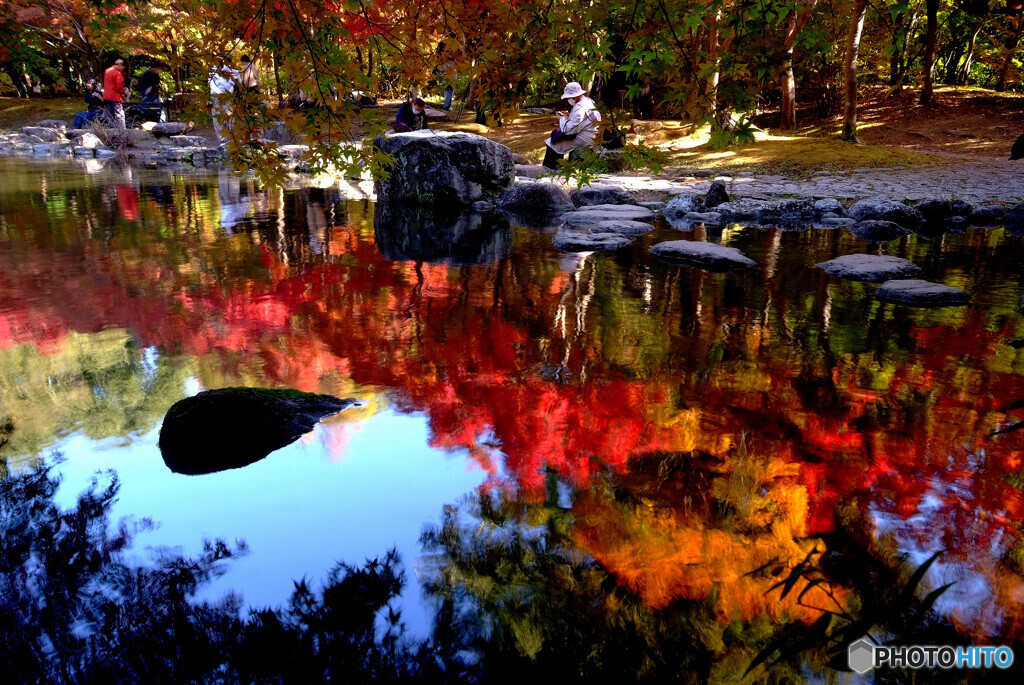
(229, 428)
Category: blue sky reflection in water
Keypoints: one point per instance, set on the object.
(322, 499)
(706, 425)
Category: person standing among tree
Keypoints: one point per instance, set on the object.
(149, 83)
(223, 80)
(250, 77)
(114, 91)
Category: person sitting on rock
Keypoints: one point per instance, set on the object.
(412, 116)
(94, 107)
(576, 128)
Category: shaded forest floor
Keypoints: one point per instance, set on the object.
(963, 122)
(967, 124)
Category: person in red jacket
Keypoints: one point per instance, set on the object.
(114, 92)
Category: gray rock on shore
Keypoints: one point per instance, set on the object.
(170, 128)
(786, 212)
(935, 209)
(89, 140)
(987, 215)
(829, 205)
(681, 205)
(870, 268)
(52, 123)
(884, 209)
(918, 293)
(531, 170)
(716, 195)
(1014, 219)
(707, 256)
(188, 141)
(878, 231)
(588, 196)
(444, 169)
(47, 135)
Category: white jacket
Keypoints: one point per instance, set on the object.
(223, 80)
(583, 120)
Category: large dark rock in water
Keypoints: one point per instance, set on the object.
(229, 428)
(459, 238)
(444, 169)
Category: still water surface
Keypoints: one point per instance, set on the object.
(696, 426)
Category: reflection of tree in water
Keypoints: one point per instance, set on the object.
(99, 383)
(515, 596)
(73, 610)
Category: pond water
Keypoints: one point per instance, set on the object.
(698, 434)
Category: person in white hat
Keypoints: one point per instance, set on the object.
(576, 128)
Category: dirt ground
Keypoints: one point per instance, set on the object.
(964, 122)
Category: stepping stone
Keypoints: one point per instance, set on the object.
(918, 293)
(588, 216)
(623, 227)
(870, 268)
(707, 256)
(573, 241)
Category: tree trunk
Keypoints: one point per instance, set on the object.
(277, 77)
(850, 77)
(786, 80)
(932, 9)
(1011, 50)
(965, 70)
(711, 86)
(949, 74)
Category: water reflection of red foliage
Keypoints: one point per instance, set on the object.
(485, 353)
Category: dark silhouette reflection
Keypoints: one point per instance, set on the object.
(460, 239)
(514, 592)
(73, 609)
(230, 428)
